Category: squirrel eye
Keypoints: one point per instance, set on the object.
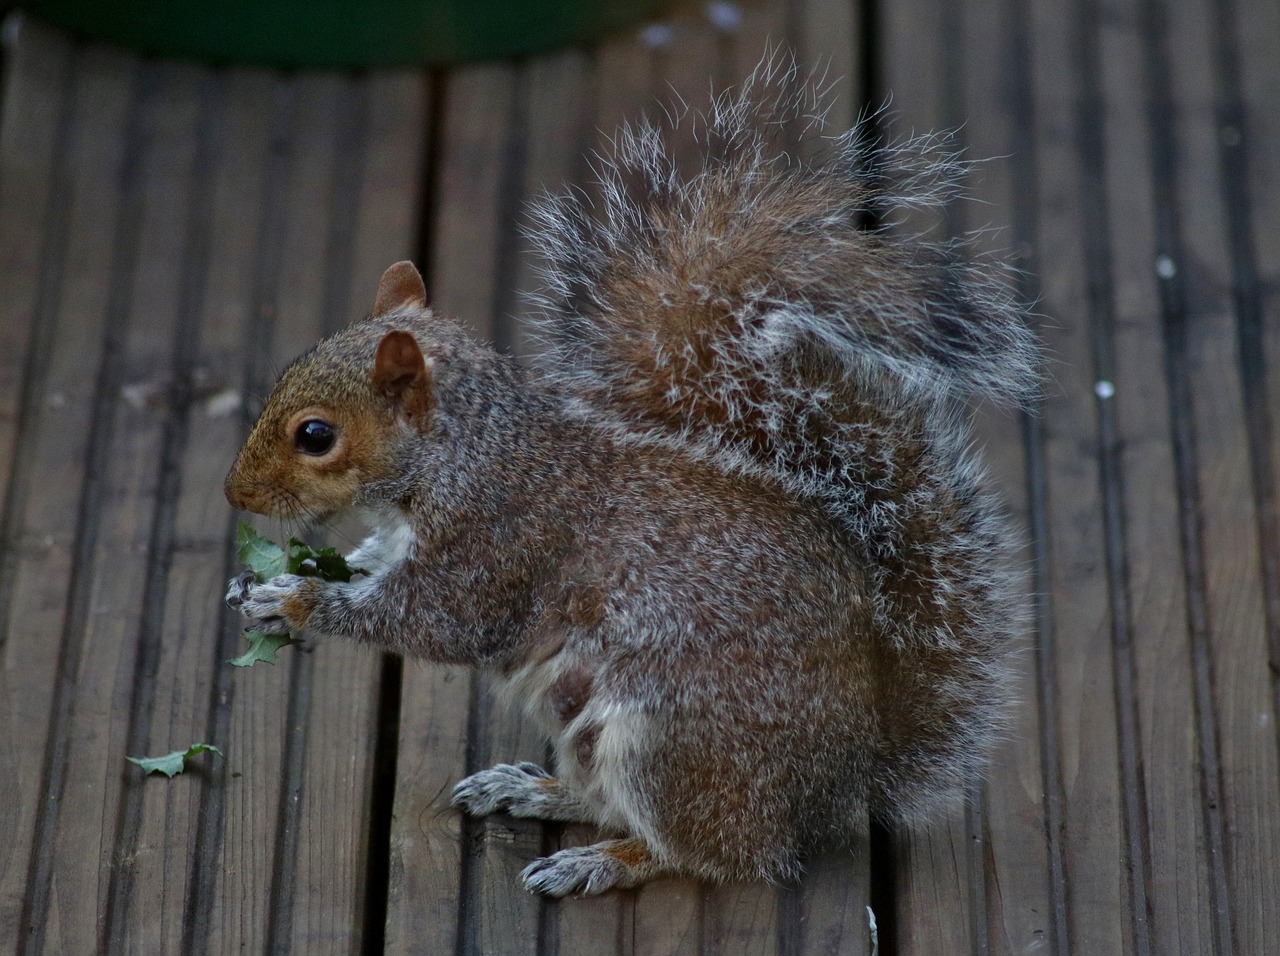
(314, 437)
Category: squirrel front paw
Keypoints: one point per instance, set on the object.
(278, 606)
(522, 790)
(519, 788)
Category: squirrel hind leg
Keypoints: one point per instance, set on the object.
(522, 790)
(587, 870)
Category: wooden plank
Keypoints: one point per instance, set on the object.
(35, 130)
(664, 916)
(36, 88)
(1081, 636)
(624, 88)
(692, 60)
(828, 39)
(1106, 879)
(474, 135)
(556, 124)
(126, 571)
(229, 885)
(507, 919)
(259, 807)
(426, 835)
(1005, 828)
(684, 61)
(1250, 149)
(317, 894)
(831, 906)
(1178, 890)
(372, 197)
(699, 60)
(173, 904)
(940, 898)
(1232, 678)
(1030, 872)
(51, 525)
(261, 891)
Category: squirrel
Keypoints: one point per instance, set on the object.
(727, 542)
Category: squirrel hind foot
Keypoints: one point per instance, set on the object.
(588, 870)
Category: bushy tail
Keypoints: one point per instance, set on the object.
(761, 316)
(754, 309)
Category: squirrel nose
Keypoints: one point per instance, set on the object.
(238, 496)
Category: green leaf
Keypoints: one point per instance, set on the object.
(263, 556)
(266, 560)
(172, 764)
(324, 563)
(262, 647)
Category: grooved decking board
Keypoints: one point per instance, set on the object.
(159, 273)
(976, 880)
(1150, 496)
(171, 234)
(1177, 876)
(51, 524)
(193, 686)
(1249, 135)
(1234, 688)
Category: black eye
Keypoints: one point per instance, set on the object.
(314, 437)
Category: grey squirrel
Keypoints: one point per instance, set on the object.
(728, 544)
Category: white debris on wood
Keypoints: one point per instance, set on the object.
(149, 394)
(657, 36)
(724, 16)
(222, 403)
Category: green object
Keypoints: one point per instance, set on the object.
(266, 559)
(344, 33)
(262, 555)
(262, 647)
(326, 563)
(172, 764)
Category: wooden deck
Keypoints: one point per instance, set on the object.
(170, 234)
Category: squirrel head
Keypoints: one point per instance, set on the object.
(331, 424)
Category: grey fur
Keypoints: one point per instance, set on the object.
(730, 548)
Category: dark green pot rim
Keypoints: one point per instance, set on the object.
(344, 33)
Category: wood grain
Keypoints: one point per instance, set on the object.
(1234, 692)
(193, 684)
(53, 526)
(170, 234)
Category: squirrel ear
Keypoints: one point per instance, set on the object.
(401, 287)
(400, 373)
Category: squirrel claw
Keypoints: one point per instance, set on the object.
(238, 589)
(270, 607)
